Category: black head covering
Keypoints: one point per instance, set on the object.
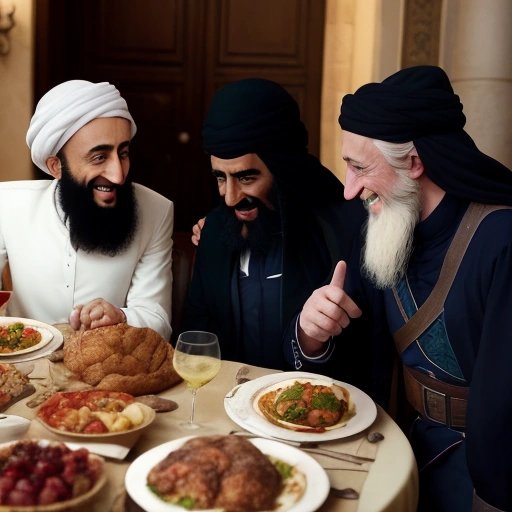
(256, 115)
(418, 104)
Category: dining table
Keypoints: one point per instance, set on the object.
(388, 482)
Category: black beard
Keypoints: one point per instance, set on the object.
(94, 228)
(261, 232)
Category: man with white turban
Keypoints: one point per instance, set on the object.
(89, 247)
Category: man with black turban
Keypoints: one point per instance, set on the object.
(87, 246)
(439, 247)
(281, 225)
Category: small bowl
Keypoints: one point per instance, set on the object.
(12, 427)
(70, 504)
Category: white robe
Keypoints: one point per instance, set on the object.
(49, 277)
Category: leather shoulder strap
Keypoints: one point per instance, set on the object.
(434, 304)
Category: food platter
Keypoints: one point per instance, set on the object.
(51, 340)
(317, 481)
(148, 416)
(240, 402)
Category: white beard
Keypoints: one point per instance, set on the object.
(389, 235)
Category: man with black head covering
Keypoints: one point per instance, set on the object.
(439, 246)
(89, 246)
(281, 224)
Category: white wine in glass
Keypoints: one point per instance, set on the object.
(197, 361)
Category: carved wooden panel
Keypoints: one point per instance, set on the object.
(422, 28)
(279, 41)
(268, 39)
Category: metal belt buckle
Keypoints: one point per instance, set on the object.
(435, 405)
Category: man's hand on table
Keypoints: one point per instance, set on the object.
(97, 313)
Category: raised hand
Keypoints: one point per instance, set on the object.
(327, 311)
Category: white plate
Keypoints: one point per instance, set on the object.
(317, 482)
(53, 337)
(238, 404)
(46, 337)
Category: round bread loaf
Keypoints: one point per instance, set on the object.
(136, 360)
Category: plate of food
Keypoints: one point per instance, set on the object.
(14, 385)
(94, 413)
(12, 346)
(60, 478)
(227, 473)
(300, 406)
(21, 337)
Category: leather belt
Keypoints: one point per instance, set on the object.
(436, 400)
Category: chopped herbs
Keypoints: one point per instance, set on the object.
(326, 401)
(292, 393)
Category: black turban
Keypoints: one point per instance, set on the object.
(256, 115)
(418, 104)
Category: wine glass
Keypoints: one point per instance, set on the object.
(197, 360)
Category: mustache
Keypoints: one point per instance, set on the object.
(248, 203)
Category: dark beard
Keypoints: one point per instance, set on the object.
(93, 228)
(261, 232)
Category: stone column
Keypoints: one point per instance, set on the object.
(476, 46)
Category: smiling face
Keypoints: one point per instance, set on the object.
(369, 175)
(98, 157)
(391, 195)
(94, 193)
(243, 182)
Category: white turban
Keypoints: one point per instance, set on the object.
(66, 108)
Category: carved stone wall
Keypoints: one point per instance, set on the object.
(422, 28)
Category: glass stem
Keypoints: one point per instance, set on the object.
(194, 392)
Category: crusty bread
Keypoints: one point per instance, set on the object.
(136, 360)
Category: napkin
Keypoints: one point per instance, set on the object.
(114, 451)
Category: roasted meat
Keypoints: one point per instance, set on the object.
(217, 471)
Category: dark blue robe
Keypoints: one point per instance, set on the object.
(476, 316)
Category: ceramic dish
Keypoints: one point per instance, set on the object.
(315, 492)
(42, 350)
(67, 504)
(149, 416)
(239, 405)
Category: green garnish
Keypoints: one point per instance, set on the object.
(295, 412)
(186, 502)
(326, 401)
(17, 326)
(292, 393)
(283, 468)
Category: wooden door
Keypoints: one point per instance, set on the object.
(167, 57)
